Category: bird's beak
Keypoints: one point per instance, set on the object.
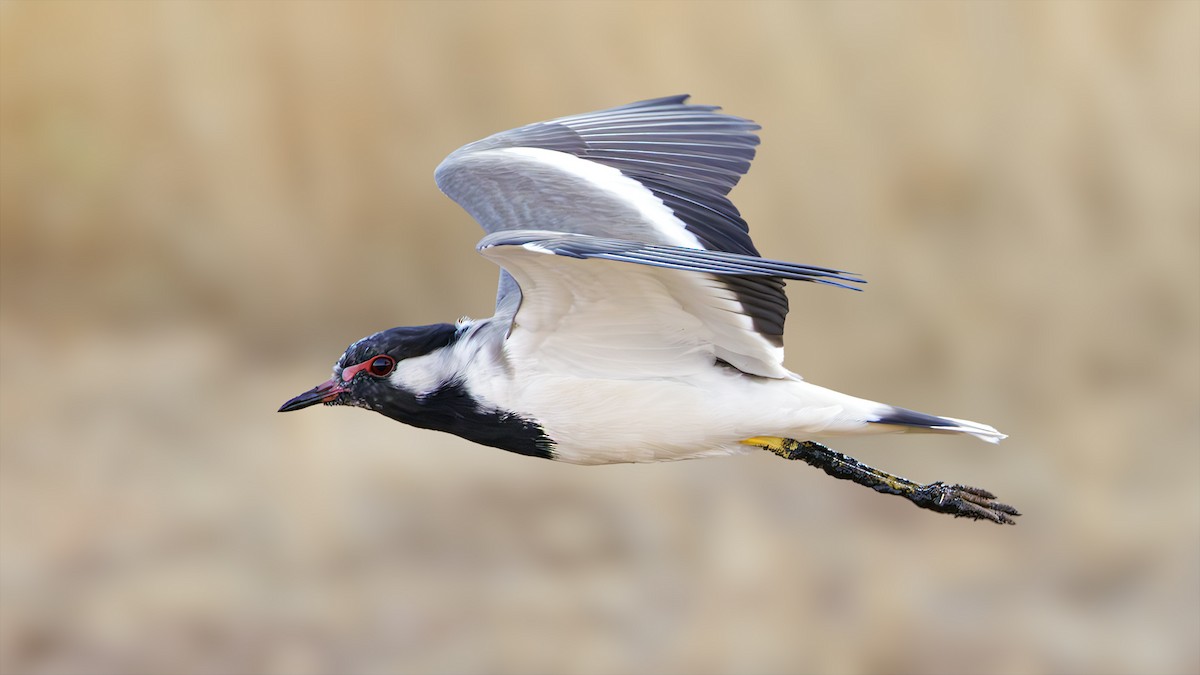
(326, 392)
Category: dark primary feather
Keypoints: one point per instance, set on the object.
(689, 156)
(720, 263)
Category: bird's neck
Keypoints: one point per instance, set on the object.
(445, 390)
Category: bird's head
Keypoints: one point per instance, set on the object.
(365, 375)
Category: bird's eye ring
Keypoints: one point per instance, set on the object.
(381, 366)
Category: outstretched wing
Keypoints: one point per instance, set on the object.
(656, 170)
(677, 309)
(652, 172)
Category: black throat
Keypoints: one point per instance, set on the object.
(452, 409)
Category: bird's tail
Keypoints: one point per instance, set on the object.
(918, 421)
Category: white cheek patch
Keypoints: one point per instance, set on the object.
(420, 374)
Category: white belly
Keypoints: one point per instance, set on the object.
(602, 421)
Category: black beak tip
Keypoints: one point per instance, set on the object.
(322, 393)
(297, 403)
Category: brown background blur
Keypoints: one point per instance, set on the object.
(203, 203)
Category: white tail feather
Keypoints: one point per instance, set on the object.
(981, 431)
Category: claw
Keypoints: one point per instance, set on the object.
(964, 501)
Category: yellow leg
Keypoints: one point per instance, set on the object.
(772, 443)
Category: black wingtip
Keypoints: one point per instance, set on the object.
(840, 284)
(911, 418)
(676, 99)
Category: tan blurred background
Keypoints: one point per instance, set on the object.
(203, 203)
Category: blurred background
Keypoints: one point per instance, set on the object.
(202, 204)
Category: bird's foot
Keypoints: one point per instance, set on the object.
(963, 501)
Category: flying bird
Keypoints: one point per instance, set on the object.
(635, 320)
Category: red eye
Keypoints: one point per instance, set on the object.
(381, 365)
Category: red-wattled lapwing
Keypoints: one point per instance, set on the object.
(635, 321)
